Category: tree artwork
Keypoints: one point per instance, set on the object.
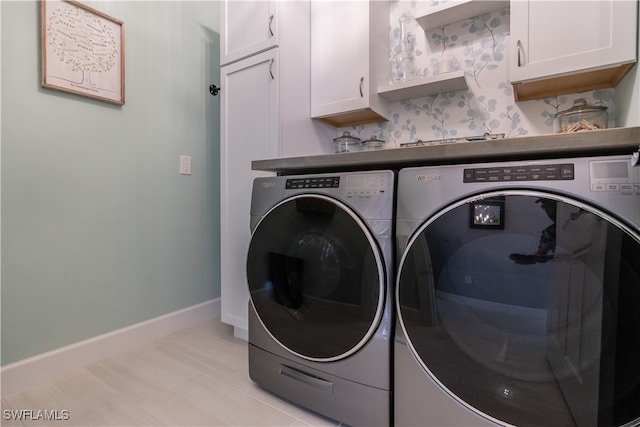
(82, 51)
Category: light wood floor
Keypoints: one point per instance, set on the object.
(195, 377)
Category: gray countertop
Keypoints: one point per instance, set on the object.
(599, 142)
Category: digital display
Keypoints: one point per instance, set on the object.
(355, 181)
(367, 182)
(488, 213)
(609, 170)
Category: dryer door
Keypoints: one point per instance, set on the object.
(523, 306)
(316, 277)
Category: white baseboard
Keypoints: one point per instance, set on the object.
(243, 334)
(35, 370)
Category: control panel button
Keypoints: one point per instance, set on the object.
(615, 176)
(366, 186)
(549, 172)
(315, 182)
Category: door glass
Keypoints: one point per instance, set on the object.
(315, 277)
(525, 308)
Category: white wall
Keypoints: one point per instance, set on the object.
(99, 230)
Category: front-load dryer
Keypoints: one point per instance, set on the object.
(518, 294)
(319, 269)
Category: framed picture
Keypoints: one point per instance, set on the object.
(82, 51)
(488, 213)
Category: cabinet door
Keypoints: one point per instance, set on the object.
(246, 28)
(552, 38)
(339, 56)
(348, 40)
(249, 118)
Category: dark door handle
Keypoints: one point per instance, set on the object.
(214, 90)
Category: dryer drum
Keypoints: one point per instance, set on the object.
(309, 269)
(531, 323)
(286, 277)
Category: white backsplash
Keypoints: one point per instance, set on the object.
(480, 48)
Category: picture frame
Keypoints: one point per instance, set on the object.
(82, 51)
(488, 213)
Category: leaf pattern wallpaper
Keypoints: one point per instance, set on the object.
(479, 46)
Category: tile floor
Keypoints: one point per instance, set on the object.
(195, 377)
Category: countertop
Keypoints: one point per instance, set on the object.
(599, 142)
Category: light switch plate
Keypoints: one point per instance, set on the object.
(185, 165)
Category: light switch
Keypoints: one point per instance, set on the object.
(185, 165)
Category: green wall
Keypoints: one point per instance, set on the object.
(99, 230)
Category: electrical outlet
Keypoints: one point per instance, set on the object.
(468, 280)
(185, 165)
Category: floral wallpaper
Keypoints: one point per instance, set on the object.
(479, 47)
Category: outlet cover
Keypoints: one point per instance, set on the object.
(185, 165)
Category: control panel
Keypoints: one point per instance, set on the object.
(614, 175)
(356, 185)
(366, 185)
(521, 173)
(313, 182)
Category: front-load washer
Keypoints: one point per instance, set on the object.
(319, 267)
(518, 294)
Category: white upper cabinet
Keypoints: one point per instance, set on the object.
(249, 109)
(349, 60)
(580, 45)
(247, 27)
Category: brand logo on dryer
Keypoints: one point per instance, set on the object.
(268, 184)
(429, 178)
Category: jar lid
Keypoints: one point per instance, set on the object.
(581, 106)
(373, 141)
(346, 138)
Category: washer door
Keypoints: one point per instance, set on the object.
(316, 277)
(524, 306)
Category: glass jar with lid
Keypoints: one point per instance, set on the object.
(581, 117)
(346, 143)
(372, 144)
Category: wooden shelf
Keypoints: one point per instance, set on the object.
(573, 83)
(424, 86)
(457, 10)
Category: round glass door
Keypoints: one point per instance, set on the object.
(316, 278)
(524, 306)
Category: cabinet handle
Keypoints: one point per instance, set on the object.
(519, 45)
(270, 30)
(271, 68)
(361, 83)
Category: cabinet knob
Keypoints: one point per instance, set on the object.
(214, 90)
